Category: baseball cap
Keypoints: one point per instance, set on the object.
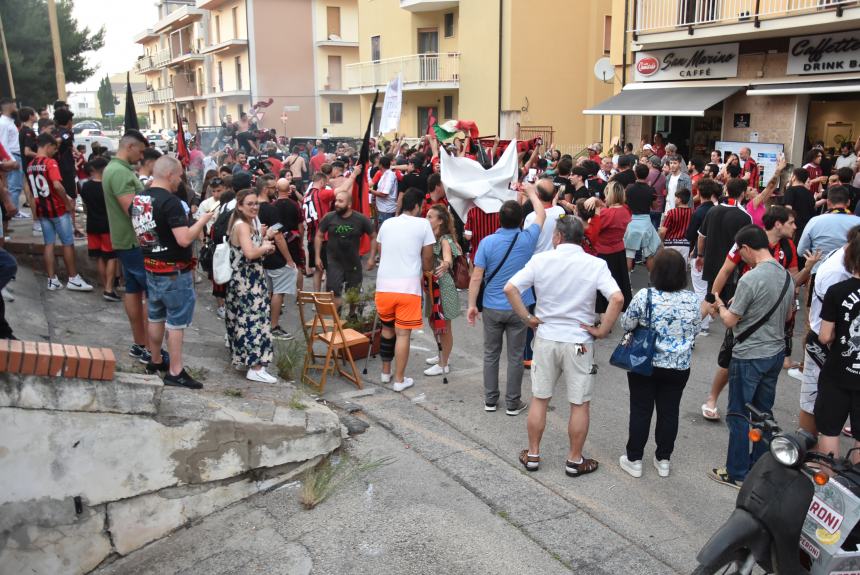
(648, 147)
(241, 180)
(656, 161)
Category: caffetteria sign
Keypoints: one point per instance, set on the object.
(824, 54)
(697, 62)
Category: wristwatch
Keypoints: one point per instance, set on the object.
(527, 318)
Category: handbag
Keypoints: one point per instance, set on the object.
(724, 357)
(462, 276)
(635, 351)
(479, 303)
(222, 265)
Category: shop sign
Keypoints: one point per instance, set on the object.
(824, 54)
(742, 121)
(695, 62)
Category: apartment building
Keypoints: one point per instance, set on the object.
(518, 69)
(220, 58)
(770, 74)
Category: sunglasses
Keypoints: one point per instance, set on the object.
(216, 182)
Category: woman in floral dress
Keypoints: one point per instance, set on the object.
(248, 331)
(443, 296)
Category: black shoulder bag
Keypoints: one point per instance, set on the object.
(725, 355)
(480, 301)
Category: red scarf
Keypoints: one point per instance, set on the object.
(437, 316)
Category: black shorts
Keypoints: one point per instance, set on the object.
(728, 290)
(337, 276)
(833, 405)
(810, 290)
(312, 255)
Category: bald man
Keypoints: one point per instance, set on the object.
(165, 238)
(343, 260)
(280, 265)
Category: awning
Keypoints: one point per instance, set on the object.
(804, 88)
(687, 101)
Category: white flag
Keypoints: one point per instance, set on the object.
(390, 120)
(468, 184)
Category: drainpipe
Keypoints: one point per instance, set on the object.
(499, 115)
(624, 66)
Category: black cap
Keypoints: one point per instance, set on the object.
(241, 180)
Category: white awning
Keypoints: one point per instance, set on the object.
(804, 88)
(686, 101)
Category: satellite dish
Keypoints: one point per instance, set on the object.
(604, 70)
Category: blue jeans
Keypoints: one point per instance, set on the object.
(8, 269)
(750, 381)
(132, 270)
(15, 181)
(61, 227)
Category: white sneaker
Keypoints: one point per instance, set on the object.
(77, 283)
(7, 295)
(54, 284)
(432, 360)
(221, 312)
(437, 370)
(260, 375)
(663, 466)
(385, 378)
(37, 229)
(405, 384)
(634, 468)
(795, 373)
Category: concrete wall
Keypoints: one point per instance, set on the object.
(477, 32)
(348, 19)
(351, 113)
(223, 25)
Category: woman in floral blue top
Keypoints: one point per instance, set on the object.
(676, 315)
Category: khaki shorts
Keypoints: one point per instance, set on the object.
(555, 361)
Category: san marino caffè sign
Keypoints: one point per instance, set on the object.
(824, 54)
(697, 62)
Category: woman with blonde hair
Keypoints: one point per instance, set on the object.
(249, 334)
(614, 217)
(443, 303)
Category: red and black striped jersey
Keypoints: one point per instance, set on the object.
(481, 224)
(42, 173)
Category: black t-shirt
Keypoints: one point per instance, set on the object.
(842, 307)
(93, 197)
(154, 214)
(65, 153)
(344, 236)
(286, 212)
(802, 202)
(412, 180)
(27, 139)
(269, 216)
(639, 198)
(624, 178)
(696, 223)
(719, 228)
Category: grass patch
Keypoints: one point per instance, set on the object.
(233, 392)
(198, 373)
(503, 514)
(289, 358)
(325, 479)
(296, 400)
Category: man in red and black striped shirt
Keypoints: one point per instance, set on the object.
(673, 229)
(479, 224)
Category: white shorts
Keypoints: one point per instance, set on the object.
(809, 384)
(557, 360)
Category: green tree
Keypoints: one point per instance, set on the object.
(28, 37)
(105, 96)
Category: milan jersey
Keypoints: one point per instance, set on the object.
(783, 251)
(481, 224)
(42, 173)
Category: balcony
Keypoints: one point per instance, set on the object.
(428, 5)
(149, 97)
(420, 72)
(659, 22)
(186, 89)
(188, 56)
(184, 16)
(148, 63)
(226, 46)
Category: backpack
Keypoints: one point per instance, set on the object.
(219, 228)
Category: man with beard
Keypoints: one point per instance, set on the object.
(343, 260)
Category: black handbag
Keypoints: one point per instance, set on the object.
(479, 303)
(724, 357)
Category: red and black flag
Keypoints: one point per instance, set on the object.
(181, 146)
(360, 200)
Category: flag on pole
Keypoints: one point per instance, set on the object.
(447, 130)
(360, 200)
(181, 146)
(130, 121)
(392, 105)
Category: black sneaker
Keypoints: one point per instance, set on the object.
(279, 333)
(489, 406)
(146, 357)
(181, 380)
(138, 352)
(152, 368)
(517, 409)
(111, 296)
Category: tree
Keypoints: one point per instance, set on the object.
(28, 37)
(106, 98)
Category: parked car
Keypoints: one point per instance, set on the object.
(86, 125)
(104, 141)
(159, 140)
(91, 132)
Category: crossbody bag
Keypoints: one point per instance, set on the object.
(480, 301)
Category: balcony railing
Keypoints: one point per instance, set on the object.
(420, 71)
(160, 96)
(667, 15)
(152, 61)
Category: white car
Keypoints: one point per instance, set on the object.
(160, 141)
(110, 143)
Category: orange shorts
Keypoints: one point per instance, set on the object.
(401, 308)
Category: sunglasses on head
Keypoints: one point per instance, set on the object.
(216, 182)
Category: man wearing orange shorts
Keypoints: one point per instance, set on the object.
(406, 244)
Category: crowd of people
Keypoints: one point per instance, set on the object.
(286, 216)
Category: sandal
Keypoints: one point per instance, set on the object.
(530, 462)
(585, 467)
(710, 413)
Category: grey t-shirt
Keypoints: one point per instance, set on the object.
(756, 293)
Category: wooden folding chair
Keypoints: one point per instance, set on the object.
(306, 298)
(338, 342)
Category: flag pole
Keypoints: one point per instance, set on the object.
(8, 61)
(58, 53)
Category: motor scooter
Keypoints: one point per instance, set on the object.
(790, 517)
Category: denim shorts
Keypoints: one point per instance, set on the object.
(62, 227)
(170, 299)
(132, 270)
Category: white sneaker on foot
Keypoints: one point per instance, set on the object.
(260, 375)
(634, 468)
(54, 284)
(795, 373)
(437, 370)
(663, 466)
(7, 294)
(405, 384)
(385, 378)
(77, 283)
(221, 312)
(432, 360)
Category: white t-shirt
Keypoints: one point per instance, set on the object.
(387, 184)
(402, 239)
(671, 188)
(544, 243)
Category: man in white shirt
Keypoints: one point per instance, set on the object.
(847, 158)
(386, 191)
(406, 244)
(676, 180)
(546, 192)
(566, 281)
(9, 139)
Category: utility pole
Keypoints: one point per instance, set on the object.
(58, 54)
(8, 62)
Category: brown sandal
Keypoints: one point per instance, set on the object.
(530, 462)
(576, 469)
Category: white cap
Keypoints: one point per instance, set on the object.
(648, 147)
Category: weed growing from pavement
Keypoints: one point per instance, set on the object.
(198, 373)
(289, 357)
(326, 478)
(233, 392)
(296, 400)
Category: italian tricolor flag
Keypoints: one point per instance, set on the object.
(446, 131)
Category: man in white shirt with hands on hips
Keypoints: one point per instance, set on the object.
(564, 344)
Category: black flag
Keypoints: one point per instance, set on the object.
(363, 155)
(130, 122)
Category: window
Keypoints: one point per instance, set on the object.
(335, 113)
(449, 25)
(332, 14)
(220, 76)
(82, 105)
(238, 61)
(607, 34)
(217, 29)
(374, 48)
(235, 22)
(449, 107)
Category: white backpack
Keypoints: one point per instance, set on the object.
(222, 264)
